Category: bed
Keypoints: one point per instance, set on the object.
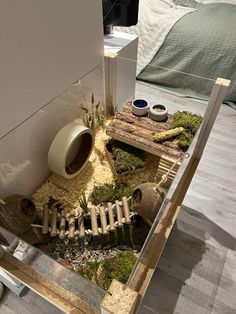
(200, 40)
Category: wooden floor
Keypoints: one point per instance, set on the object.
(30, 303)
(197, 271)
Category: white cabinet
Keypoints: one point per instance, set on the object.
(120, 51)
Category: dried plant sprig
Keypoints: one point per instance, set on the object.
(83, 202)
(100, 275)
(93, 116)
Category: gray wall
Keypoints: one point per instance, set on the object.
(45, 47)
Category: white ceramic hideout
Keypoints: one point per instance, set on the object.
(158, 115)
(70, 150)
(140, 107)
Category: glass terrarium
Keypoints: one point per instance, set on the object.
(118, 181)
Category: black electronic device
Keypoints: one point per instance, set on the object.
(119, 13)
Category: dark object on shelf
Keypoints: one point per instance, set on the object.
(119, 13)
(147, 200)
(17, 213)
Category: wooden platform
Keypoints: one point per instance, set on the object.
(139, 131)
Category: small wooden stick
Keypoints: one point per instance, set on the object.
(81, 225)
(53, 232)
(94, 222)
(111, 216)
(45, 219)
(126, 210)
(119, 214)
(158, 137)
(103, 220)
(71, 234)
(62, 229)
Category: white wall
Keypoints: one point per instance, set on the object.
(45, 47)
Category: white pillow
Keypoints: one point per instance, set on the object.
(217, 1)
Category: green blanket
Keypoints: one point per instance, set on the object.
(203, 44)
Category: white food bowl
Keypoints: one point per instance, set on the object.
(140, 107)
(158, 112)
(70, 150)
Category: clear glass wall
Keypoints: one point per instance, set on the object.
(23, 164)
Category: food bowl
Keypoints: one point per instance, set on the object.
(140, 107)
(158, 112)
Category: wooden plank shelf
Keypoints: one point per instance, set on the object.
(139, 131)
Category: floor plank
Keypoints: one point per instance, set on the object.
(30, 303)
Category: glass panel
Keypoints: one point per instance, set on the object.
(24, 170)
(44, 265)
(177, 99)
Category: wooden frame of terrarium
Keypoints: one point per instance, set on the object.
(122, 298)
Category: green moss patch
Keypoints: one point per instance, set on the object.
(190, 122)
(125, 157)
(102, 273)
(110, 193)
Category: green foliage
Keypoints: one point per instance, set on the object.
(101, 120)
(102, 273)
(100, 117)
(83, 202)
(110, 193)
(190, 122)
(184, 140)
(126, 157)
(120, 267)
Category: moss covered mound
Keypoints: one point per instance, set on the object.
(102, 273)
(126, 157)
(190, 122)
(110, 193)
